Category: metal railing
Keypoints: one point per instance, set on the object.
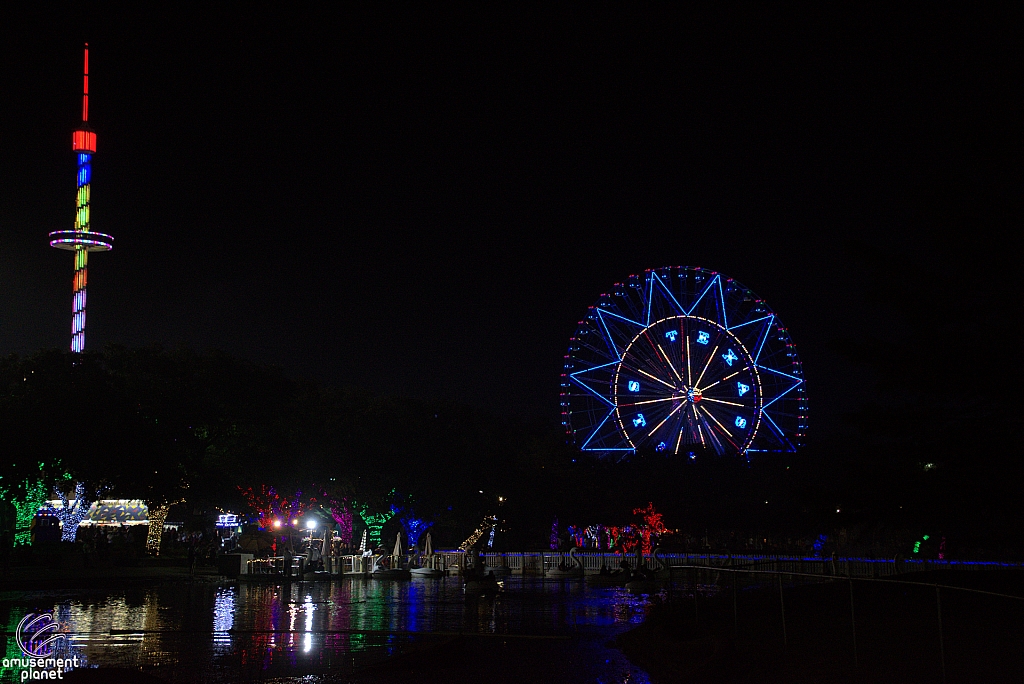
(536, 562)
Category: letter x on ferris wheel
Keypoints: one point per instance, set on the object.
(682, 360)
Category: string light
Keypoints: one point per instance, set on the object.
(25, 508)
(70, 516)
(414, 527)
(488, 522)
(157, 518)
(343, 517)
(375, 522)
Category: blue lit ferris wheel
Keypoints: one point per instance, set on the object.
(682, 360)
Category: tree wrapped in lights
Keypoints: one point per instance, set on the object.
(486, 524)
(652, 527)
(263, 502)
(157, 517)
(375, 522)
(343, 517)
(291, 508)
(267, 504)
(72, 515)
(414, 527)
(26, 504)
(554, 535)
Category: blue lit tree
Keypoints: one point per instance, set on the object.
(71, 515)
(414, 527)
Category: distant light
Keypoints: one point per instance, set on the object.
(277, 523)
(311, 524)
(481, 491)
(837, 510)
(295, 521)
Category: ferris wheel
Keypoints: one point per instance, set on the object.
(682, 360)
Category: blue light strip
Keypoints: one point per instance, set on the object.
(598, 429)
(787, 375)
(650, 296)
(592, 391)
(603, 365)
(764, 338)
(697, 302)
(742, 325)
(679, 307)
(721, 302)
(778, 430)
(628, 320)
(782, 394)
(612, 347)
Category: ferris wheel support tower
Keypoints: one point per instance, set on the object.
(82, 239)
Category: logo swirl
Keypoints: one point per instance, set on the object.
(37, 635)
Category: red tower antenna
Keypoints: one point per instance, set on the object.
(84, 140)
(85, 87)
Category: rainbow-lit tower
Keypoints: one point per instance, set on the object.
(82, 240)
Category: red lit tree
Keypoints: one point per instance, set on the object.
(652, 526)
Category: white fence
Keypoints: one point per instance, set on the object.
(538, 562)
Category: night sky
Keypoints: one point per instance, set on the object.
(425, 204)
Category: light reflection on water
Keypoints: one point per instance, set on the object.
(250, 632)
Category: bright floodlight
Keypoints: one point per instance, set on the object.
(277, 523)
(310, 524)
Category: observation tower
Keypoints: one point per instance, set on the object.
(82, 239)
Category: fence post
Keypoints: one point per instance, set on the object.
(853, 624)
(942, 646)
(696, 621)
(735, 620)
(782, 605)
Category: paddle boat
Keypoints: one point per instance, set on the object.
(572, 571)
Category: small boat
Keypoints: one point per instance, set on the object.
(649, 581)
(574, 571)
(392, 573)
(488, 584)
(428, 571)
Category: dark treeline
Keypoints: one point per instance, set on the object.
(179, 425)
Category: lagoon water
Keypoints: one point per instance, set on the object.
(352, 630)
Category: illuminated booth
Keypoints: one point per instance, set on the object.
(111, 512)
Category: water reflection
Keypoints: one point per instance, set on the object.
(250, 632)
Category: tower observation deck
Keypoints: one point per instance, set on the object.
(82, 239)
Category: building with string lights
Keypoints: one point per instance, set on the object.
(82, 239)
